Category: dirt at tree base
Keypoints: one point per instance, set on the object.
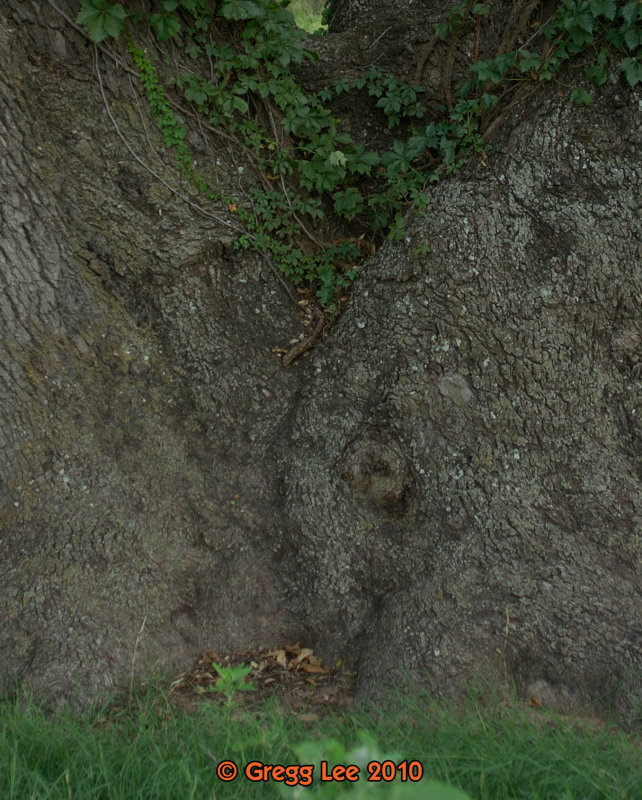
(292, 674)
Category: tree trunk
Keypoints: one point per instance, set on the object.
(449, 486)
(140, 401)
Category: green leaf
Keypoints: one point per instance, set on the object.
(603, 56)
(195, 95)
(240, 104)
(337, 159)
(348, 203)
(480, 10)
(615, 37)
(493, 69)
(606, 8)
(633, 38)
(341, 86)
(113, 25)
(166, 26)
(632, 70)
(631, 11)
(242, 9)
(528, 60)
(581, 97)
(397, 161)
(598, 74)
(586, 22)
(364, 162)
(443, 30)
(101, 19)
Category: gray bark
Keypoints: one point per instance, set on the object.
(139, 396)
(450, 486)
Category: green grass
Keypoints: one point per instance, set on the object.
(307, 14)
(150, 749)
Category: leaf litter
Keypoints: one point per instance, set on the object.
(292, 673)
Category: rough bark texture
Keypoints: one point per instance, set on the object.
(140, 399)
(449, 486)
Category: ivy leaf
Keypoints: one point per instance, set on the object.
(443, 30)
(632, 70)
(240, 104)
(615, 37)
(337, 158)
(448, 148)
(114, 21)
(341, 86)
(397, 160)
(605, 7)
(348, 203)
(101, 18)
(195, 94)
(465, 89)
(598, 73)
(242, 9)
(631, 11)
(364, 162)
(480, 10)
(166, 26)
(428, 139)
(633, 38)
(586, 22)
(528, 60)
(581, 97)
(493, 69)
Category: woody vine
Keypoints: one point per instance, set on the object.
(235, 74)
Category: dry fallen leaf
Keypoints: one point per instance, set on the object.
(315, 668)
(306, 652)
(281, 658)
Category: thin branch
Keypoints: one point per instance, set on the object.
(152, 172)
(381, 35)
(284, 187)
(204, 212)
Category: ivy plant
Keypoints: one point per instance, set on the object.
(236, 76)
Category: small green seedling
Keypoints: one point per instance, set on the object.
(423, 249)
(232, 680)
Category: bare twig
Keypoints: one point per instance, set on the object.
(381, 35)
(307, 344)
(142, 118)
(202, 211)
(152, 172)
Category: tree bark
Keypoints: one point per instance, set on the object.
(448, 487)
(139, 396)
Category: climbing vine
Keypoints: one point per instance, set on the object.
(236, 76)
